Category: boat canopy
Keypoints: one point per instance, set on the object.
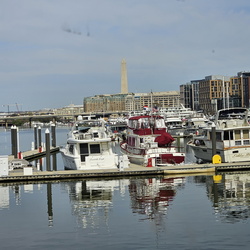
(145, 116)
(146, 122)
(164, 139)
(231, 113)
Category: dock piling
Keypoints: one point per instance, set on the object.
(14, 141)
(47, 145)
(39, 137)
(35, 136)
(53, 135)
(213, 134)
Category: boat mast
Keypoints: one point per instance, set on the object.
(152, 121)
(223, 93)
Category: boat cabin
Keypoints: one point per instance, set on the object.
(146, 125)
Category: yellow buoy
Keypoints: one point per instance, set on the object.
(217, 178)
(216, 159)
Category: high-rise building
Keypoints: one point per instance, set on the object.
(214, 93)
(244, 78)
(186, 95)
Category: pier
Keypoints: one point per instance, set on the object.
(33, 174)
(133, 170)
(34, 154)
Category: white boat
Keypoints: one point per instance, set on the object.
(18, 164)
(148, 143)
(177, 111)
(194, 125)
(89, 146)
(232, 137)
(174, 125)
(116, 127)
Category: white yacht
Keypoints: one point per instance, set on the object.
(194, 125)
(232, 137)
(178, 111)
(89, 146)
(175, 125)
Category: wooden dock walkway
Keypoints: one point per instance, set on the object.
(35, 154)
(133, 170)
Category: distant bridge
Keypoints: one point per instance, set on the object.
(7, 121)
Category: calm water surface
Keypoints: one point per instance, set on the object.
(179, 212)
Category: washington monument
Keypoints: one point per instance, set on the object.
(124, 78)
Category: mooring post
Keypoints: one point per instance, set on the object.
(39, 131)
(54, 162)
(47, 145)
(14, 141)
(213, 134)
(35, 136)
(53, 135)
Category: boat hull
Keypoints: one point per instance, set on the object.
(91, 162)
(159, 156)
(234, 154)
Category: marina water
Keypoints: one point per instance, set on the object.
(158, 212)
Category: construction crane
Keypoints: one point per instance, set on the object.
(9, 105)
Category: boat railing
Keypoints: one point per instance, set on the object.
(133, 150)
(89, 136)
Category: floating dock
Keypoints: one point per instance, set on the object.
(35, 154)
(133, 170)
(32, 174)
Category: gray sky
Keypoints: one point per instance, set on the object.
(56, 52)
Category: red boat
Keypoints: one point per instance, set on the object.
(148, 143)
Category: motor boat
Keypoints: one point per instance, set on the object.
(231, 139)
(89, 146)
(148, 143)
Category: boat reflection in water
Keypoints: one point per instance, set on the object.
(92, 200)
(152, 197)
(193, 212)
(231, 197)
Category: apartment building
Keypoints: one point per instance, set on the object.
(131, 101)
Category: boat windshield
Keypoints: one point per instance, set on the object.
(147, 122)
(87, 124)
(233, 113)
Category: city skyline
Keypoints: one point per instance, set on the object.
(56, 53)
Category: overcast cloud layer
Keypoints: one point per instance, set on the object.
(54, 53)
